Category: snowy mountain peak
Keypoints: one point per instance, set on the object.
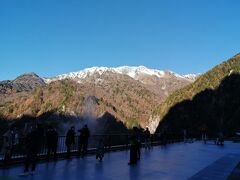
(132, 71)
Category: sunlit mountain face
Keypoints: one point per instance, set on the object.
(129, 94)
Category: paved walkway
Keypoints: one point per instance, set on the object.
(220, 169)
(176, 161)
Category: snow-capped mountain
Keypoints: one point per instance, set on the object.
(129, 94)
(135, 72)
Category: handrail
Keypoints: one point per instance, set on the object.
(112, 142)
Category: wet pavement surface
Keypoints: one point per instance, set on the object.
(175, 161)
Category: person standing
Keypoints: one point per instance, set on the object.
(220, 139)
(80, 142)
(204, 133)
(70, 140)
(133, 148)
(100, 150)
(33, 145)
(86, 135)
(7, 148)
(52, 142)
(147, 138)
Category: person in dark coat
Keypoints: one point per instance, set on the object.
(33, 145)
(100, 150)
(80, 141)
(52, 142)
(220, 138)
(133, 148)
(147, 135)
(204, 133)
(139, 144)
(70, 140)
(86, 134)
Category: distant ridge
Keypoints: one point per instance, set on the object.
(133, 71)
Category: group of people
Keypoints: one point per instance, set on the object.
(219, 138)
(204, 136)
(34, 140)
(135, 145)
(84, 134)
(31, 144)
(36, 137)
(10, 143)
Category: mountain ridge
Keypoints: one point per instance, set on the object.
(217, 109)
(128, 93)
(209, 80)
(132, 71)
(24, 82)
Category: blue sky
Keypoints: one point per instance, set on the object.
(51, 37)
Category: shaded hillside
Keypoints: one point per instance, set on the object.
(210, 80)
(3, 125)
(107, 124)
(218, 108)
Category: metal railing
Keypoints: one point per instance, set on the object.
(112, 142)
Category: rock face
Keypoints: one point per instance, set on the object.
(129, 94)
(25, 82)
(20, 87)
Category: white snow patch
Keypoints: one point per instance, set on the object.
(132, 71)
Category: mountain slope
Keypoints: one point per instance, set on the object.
(121, 96)
(127, 93)
(159, 82)
(21, 86)
(209, 80)
(218, 109)
(135, 72)
(25, 82)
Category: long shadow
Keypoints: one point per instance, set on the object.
(106, 124)
(218, 109)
